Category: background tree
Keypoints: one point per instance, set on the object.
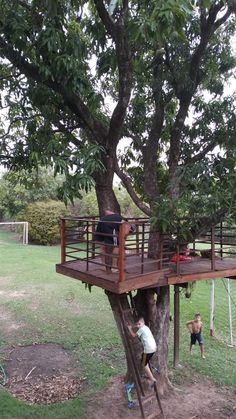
(163, 65)
(19, 188)
(88, 204)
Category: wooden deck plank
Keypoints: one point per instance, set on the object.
(91, 279)
(194, 270)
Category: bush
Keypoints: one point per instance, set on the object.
(43, 218)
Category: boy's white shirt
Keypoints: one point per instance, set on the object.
(148, 341)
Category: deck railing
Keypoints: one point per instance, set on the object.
(78, 243)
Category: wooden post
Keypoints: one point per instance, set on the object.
(160, 250)
(87, 245)
(221, 240)
(177, 259)
(212, 312)
(176, 326)
(63, 241)
(93, 233)
(121, 256)
(142, 247)
(137, 239)
(212, 248)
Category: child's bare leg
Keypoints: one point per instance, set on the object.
(115, 254)
(202, 351)
(190, 348)
(149, 372)
(102, 253)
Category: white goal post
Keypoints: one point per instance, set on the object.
(25, 228)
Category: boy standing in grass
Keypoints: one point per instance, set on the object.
(195, 327)
(149, 345)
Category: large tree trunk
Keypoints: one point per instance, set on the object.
(153, 304)
(136, 345)
(104, 188)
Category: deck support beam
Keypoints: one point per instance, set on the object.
(176, 325)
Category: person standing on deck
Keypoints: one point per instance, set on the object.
(107, 234)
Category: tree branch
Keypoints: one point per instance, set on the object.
(186, 94)
(128, 185)
(124, 61)
(72, 100)
(202, 153)
(223, 19)
(106, 19)
(209, 27)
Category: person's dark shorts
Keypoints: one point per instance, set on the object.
(107, 240)
(112, 241)
(196, 337)
(146, 358)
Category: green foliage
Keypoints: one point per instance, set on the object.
(200, 198)
(128, 208)
(58, 105)
(19, 188)
(43, 218)
(88, 206)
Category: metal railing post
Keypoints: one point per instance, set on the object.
(63, 241)
(176, 326)
(212, 248)
(121, 256)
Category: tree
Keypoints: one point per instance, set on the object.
(164, 65)
(88, 204)
(19, 188)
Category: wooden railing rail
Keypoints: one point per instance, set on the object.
(78, 243)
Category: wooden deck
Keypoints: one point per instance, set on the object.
(188, 271)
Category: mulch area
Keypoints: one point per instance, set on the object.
(42, 374)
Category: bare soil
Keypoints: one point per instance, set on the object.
(199, 400)
(42, 374)
(45, 374)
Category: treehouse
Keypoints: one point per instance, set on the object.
(128, 266)
(212, 255)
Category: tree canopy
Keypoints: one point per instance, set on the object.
(78, 77)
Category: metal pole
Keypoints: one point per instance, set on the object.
(212, 311)
(24, 227)
(63, 241)
(176, 326)
(27, 233)
(213, 248)
(230, 314)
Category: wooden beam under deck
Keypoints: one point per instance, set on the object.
(228, 273)
(87, 277)
(110, 281)
(195, 270)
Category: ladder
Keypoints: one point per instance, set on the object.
(150, 405)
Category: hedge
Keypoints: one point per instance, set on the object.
(44, 221)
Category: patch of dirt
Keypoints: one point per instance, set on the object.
(201, 400)
(46, 374)
(14, 294)
(8, 324)
(42, 374)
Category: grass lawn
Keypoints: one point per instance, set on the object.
(54, 308)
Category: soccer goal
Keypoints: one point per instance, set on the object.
(25, 225)
(223, 310)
